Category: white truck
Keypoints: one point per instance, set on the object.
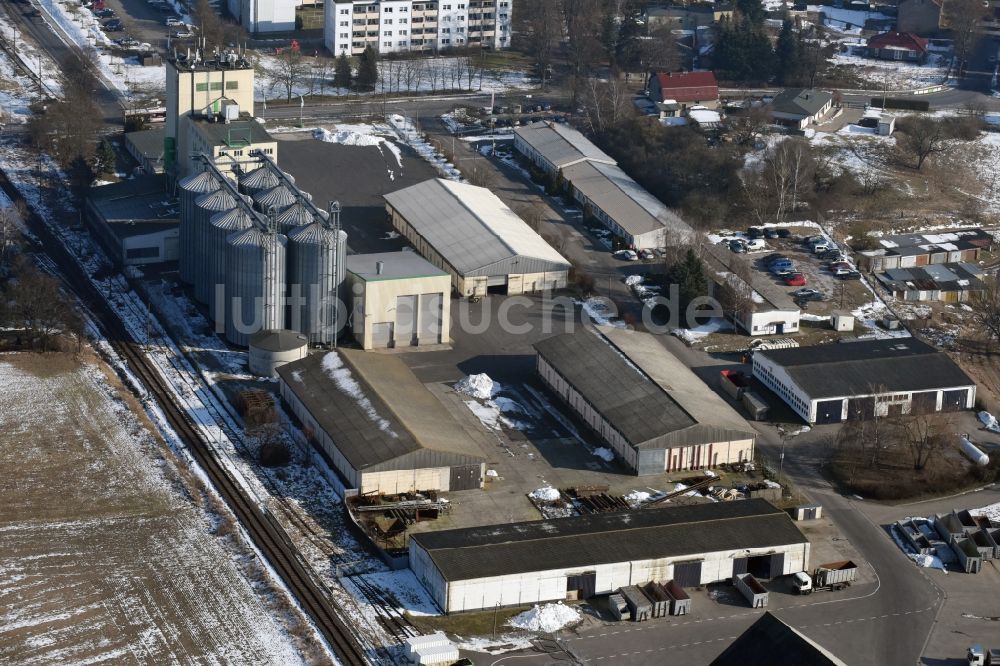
(977, 656)
(829, 576)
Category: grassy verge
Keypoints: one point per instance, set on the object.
(467, 624)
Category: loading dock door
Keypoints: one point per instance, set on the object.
(464, 477)
(581, 586)
(406, 320)
(430, 319)
(953, 401)
(924, 402)
(829, 411)
(777, 565)
(687, 574)
(740, 565)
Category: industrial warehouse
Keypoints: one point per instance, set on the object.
(607, 193)
(858, 380)
(654, 413)
(575, 558)
(377, 425)
(469, 232)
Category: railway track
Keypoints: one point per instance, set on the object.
(266, 534)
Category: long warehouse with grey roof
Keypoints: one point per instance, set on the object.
(519, 564)
(377, 425)
(470, 233)
(653, 412)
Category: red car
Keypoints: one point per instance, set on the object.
(795, 280)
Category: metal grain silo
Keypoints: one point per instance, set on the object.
(221, 227)
(261, 179)
(255, 283)
(190, 189)
(296, 215)
(277, 199)
(206, 206)
(315, 271)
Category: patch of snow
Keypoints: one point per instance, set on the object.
(400, 588)
(547, 619)
(637, 497)
(341, 376)
(692, 335)
(604, 454)
(544, 494)
(478, 386)
(600, 311)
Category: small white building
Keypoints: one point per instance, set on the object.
(470, 233)
(766, 308)
(856, 380)
(842, 321)
(520, 564)
(377, 425)
(262, 16)
(398, 299)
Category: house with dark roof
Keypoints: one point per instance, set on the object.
(895, 45)
(858, 380)
(650, 409)
(801, 107)
(378, 425)
(685, 89)
(945, 283)
(769, 636)
(519, 564)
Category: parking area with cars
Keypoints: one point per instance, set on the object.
(819, 275)
(140, 25)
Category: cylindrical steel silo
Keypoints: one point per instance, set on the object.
(255, 283)
(221, 227)
(206, 206)
(296, 215)
(259, 180)
(190, 189)
(277, 199)
(315, 272)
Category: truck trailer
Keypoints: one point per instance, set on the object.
(829, 576)
(752, 589)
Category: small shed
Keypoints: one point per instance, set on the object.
(638, 605)
(680, 602)
(807, 512)
(886, 124)
(842, 321)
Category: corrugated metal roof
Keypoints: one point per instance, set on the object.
(560, 144)
(624, 200)
(650, 413)
(378, 414)
(581, 541)
(395, 266)
(470, 226)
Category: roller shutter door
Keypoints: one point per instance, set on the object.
(740, 565)
(406, 320)
(924, 403)
(687, 574)
(860, 409)
(776, 565)
(953, 401)
(829, 411)
(430, 319)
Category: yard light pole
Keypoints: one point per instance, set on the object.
(496, 611)
(781, 458)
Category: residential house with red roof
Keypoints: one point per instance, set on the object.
(687, 89)
(897, 46)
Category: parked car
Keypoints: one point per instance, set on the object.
(782, 233)
(782, 271)
(832, 255)
(780, 263)
(646, 255)
(770, 232)
(104, 13)
(820, 247)
(173, 21)
(841, 270)
(114, 25)
(756, 245)
(795, 280)
(807, 294)
(755, 232)
(737, 246)
(839, 265)
(773, 257)
(850, 275)
(181, 34)
(626, 255)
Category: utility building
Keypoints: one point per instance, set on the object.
(468, 232)
(555, 146)
(136, 220)
(654, 413)
(519, 564)
(399, 299)
(857, 380)
(377, 425)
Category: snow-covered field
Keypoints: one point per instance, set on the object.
(109, 551)
(893, 75)
(419, 75)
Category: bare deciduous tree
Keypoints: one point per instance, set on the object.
(986, 310)
(922, 137)
(746, 127)
(925, 434)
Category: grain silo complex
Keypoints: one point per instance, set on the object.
(316, 257)
(191, 189)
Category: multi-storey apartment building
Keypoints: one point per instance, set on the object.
(400, 26)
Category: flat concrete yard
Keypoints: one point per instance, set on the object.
(110, 551)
